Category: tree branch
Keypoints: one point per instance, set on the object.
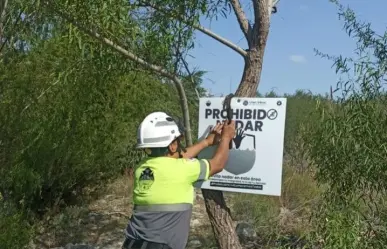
(242, 20)
(155, 68)
(200, 28)
(262, 13)
(259, 5)
(222, 40)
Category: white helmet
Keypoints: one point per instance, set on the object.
(157, 130)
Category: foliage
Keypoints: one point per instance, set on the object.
(281, 220)
(300, 114)
(15, 230)
(61, 133)
(348, 145)
(134, 26)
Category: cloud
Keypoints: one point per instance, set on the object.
(297, 58)
(304, 7)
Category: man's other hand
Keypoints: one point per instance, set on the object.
(214, 137)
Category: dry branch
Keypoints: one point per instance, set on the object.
(198, 27)
(242, 19)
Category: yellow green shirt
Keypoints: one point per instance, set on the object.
(163, 199)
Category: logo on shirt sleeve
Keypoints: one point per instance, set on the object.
(146, 179)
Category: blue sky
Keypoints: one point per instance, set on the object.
(290, 62)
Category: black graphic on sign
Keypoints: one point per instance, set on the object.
(146, 179)
(242, 154)
(245, 103)
(238, 138)
(272, 114)
(240, 135)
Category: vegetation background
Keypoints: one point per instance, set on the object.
(69, 108)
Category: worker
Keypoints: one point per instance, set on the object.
(163, 182)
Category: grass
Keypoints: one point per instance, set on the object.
(278, 218)
(102, 214)
(99, 219)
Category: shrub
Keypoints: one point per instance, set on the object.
(78, 133)
(287, 215)
(348, 146)
(15, 231)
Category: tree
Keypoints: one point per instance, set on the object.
(171, 22)
(256, 32)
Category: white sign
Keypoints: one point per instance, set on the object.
(255, 159)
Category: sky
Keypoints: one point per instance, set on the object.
(290, 62)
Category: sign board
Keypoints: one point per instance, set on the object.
(255, 159)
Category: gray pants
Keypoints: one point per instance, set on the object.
(142, 244)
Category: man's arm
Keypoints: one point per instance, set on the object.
(199, 170)
(210, 140)
(195, 169)
(195, 149)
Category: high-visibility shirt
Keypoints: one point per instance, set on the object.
(163, 198)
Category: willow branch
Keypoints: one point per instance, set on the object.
(131, 56)
(222, 40)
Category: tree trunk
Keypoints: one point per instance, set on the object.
(221, 220)
(251, 74)
(217, 210)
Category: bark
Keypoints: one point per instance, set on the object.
(221, 220)
(242, 19)
(257, 44)
(251, 74)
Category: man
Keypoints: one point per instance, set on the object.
(163, 183)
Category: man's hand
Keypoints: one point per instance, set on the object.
(214, 137)
(228, 131)
(220, 157)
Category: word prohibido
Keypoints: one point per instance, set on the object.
(245, 119)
